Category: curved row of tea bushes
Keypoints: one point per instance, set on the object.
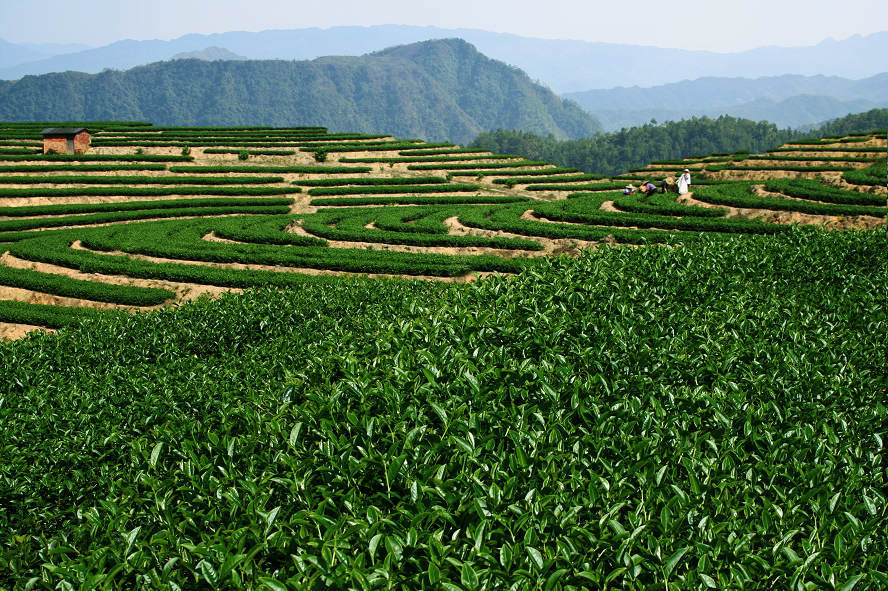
(585, 209)
(139, 180)
(509, 219)
(350, 226)
(89, 219)
(441, 151)
(518, 180)
(78, 168)
(394, 188)
(774, 157)
(602, 186)
(129, 191)
(183, 240)
(521, 172)
(664, 204)
(729, 167)
(251, 152)
(73, 208)
(739, 195)
(97, 158)
(363, 147)
(439, 159)
(813, 190)
(266, 169)
(416, 200)
(44, 315)
(862, 150)
(97, 291)
(875, 175)
(389, 181)
(479, 166)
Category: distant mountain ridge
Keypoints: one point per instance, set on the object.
(434, 90)
(563, 65)
(209, 54)
(788, 101)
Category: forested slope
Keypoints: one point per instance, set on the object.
(434, 90)
(614, 153)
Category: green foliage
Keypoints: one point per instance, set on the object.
(243, 155)
(710, 416)
(812, 190)
(320, 155)
(146, 191)
(739, 195)
(872, 175)
(613, 153)
(139, 180)
(257, 168)
(395, 188)
(79, 288)
(444, 90)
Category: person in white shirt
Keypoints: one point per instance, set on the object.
(684, 182)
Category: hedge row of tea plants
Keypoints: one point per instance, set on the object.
(395, 188)
(600, 186)
(130, 191)
(739, 195)
(417, 200)
(813, 190)
(518, 180)
(480, 166)
(520, 172)
(43, 315)
(70, 208)
(98, 291)
(876, 175)
(97, 158)
(123, 215)
(389, 181)
(438, 159)
(250, 152)
(351, 226)
(664, 204)
(78, 168)
(140, 180)
(183, 240)
(266, 169)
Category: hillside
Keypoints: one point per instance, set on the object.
(615, 152)
(436, 90)
(787, 101)
(563, 65)
(289, 359)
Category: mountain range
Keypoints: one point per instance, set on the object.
(789, 101)
(433, 90)
(563, 65)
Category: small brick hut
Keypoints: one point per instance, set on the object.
(66, 140)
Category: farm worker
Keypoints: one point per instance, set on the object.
(684, 181)
(649, 188)
(628, 190)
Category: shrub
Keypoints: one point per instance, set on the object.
(320, 155)
(243, 155)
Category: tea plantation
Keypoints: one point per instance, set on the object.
(708, 411)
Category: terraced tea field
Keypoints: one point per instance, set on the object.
(153, 216)
(705, 413)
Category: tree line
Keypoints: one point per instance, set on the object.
(614, 153)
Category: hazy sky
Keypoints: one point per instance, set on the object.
(715, 25)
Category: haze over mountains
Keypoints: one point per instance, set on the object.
(434, 90)
(789, 101)
(565, 66)
(630, 85)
